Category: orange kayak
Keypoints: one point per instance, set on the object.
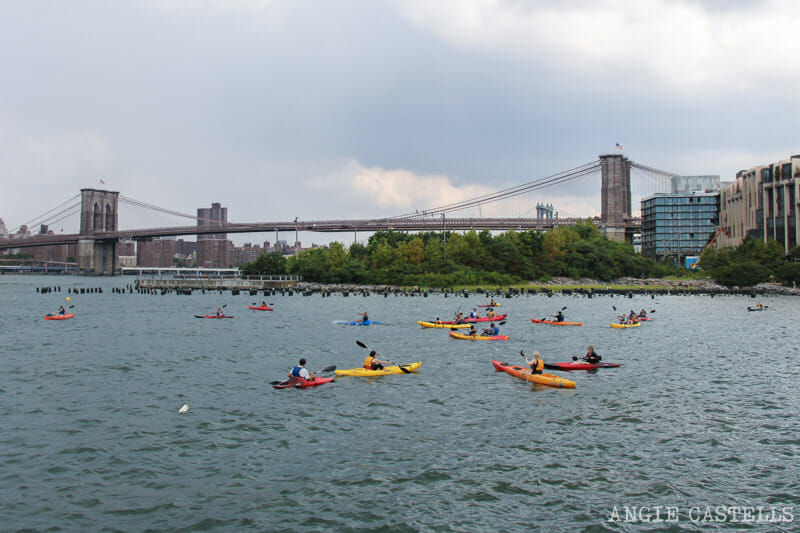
(58, 317)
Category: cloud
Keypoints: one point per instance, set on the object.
(687, 46)
(403, 190)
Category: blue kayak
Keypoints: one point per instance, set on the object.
(354, 323)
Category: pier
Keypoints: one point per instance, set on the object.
(188, 279)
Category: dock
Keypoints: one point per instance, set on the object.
(211, 280)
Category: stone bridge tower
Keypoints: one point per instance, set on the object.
(615, 195)
(99, 215)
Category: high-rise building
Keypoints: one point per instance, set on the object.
(214, 253)
(763, 204)
(3, 230)
(155, 252)
(679, 223)
(214, 217)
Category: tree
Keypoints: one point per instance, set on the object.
(742, 274)
(271, 264)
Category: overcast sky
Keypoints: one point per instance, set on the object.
(359, 108)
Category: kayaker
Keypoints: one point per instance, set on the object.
(758, 305)
(61, 310)
(559, 316)
(300, 371)
(536, 364)
(459, 319)
(373, 363)
(473, 313)
(364, 317)
(263, 303)
(493, 303)
(491, 331)
(472, 331)
(219, 311)
(591, 356)
(642, 314)
(490, 313)
(438, 321)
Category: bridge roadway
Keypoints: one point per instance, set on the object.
(323, 226)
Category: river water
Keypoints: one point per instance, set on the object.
(697, 427)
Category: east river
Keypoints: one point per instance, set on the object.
(697, 430)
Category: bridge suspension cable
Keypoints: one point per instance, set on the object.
(69, 209)
(548, 181)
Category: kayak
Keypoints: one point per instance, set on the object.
(359, 323)
(489, 305)
(58, 317)
(554, 323)
(213, 316)
(625, 325)
(395, 369)
(643, 318)
(579, 365)
(440, 325)
(485, 318)
(478, 337)
(260, 307)
(523, 372)
(301, 383)
(756, 308)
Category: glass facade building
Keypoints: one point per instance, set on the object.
(677, 225)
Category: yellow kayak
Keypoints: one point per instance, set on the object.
(395, 369)
(626, 325)
(446, 326)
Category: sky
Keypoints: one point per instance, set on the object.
(369, 108)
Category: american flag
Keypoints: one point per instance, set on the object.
(103, 182)
(619, 146)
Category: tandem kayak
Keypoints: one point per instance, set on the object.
(625, 325)
(295, 382)
(554, 323)
(523, 372)
(58, 317)
(260, 307)
(395, 369)
(357, 323)
(478, 337)
(440, 325)
(579, 365)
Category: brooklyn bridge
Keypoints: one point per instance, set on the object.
(100, 232)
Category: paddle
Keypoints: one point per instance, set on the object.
(324, 370)
(556, 313)
(404, 370)
(54, 314)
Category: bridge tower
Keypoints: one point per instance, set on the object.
(99, 214)
(615, 195)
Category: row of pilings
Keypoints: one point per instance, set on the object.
(326, 291)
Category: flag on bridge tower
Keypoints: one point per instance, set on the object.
(619, 146)
(103, 182)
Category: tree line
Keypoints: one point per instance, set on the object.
(472, 258)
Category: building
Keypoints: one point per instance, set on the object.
(246, 254)
(155, 252)
(763, 204)
(215, 216)
(214, 253)
(681, 222)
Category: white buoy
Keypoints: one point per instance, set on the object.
(183, 409)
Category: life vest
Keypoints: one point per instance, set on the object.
(368, 362)
(539, 366)
(296, 371)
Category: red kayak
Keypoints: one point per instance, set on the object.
(579, 365)
(479, 319)
(295, 382)
(213, 316)
(260, 307)
(58, 317)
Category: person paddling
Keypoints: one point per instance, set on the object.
(300, 371)
(473, 313)
(642, 314)
(219, 311)
(364, 318)
(263, 303)
(559, 316)
(491, 331)
(591, 356)
(61, 310)
(373, 363)
(536, 364)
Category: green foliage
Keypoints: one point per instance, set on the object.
(269, 264)
(789, 273)
(744, 273)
